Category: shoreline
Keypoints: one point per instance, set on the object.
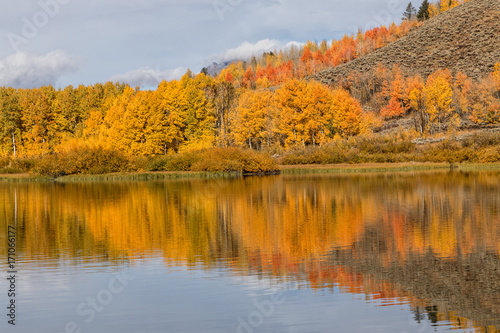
(383, 167)
(284, 170)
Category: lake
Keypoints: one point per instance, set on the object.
(389, 252)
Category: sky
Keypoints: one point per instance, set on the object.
(73, 42)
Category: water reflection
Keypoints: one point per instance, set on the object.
(430, 240)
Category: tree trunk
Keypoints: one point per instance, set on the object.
(14, 143)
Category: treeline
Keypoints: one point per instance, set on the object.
(199, 112)
(193, 113)
(438, 103)
(275, 68)
(441, 6)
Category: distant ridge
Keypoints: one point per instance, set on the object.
(465, 38)
(215, 69)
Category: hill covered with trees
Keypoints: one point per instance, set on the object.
(463, 38)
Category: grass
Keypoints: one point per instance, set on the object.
(23, 177)
(382, 167)
(285, 170)
(145, 176)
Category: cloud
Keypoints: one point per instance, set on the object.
(23, 70)
(246, 50)
(148, 77)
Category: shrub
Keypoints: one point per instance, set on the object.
(10, 170)
(88, 160)
(215, 160)
(15, 165)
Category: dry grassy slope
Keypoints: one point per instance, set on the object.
(465, 38)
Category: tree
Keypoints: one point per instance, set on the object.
(346, 114)
(10, 120)
(145, 130)
(199, 115)
(438, 97)
(290, 101)
(423, 11)
(395, 94)
(249, 127)
(410, 13)
(222, 95)
(495, 76)
(434, 9)
(306, 59)
(38, 117)
(415, 102)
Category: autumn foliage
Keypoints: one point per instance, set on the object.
(266, 104)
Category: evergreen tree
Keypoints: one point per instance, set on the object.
(423, 11)
(410, 13)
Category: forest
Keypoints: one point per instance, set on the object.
(263, 106)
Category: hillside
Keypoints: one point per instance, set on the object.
(465, 38)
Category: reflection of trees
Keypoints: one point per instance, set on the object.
(378, 234)
(466, 285)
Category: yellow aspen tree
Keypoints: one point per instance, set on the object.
(291, 102)
(438, 97)
(495, 76)
(317, 107)
(222, 95)
(462, 89)
(415, 102)
(199, 129)
(345, 116)
(453, 3)
(38, 119)
(145, 131)
(444, 5)
(433, 10)
(11, 125)
(173, 105)
(112, 126)
(249, 126)
(485, 99)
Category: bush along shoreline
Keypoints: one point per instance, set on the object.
(98, 163)
(90, 161)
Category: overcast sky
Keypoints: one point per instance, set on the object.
(62, 42)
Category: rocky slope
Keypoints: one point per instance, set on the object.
(465, 38)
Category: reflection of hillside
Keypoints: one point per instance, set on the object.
(466, 284)
(386, 235)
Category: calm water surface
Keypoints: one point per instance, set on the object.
(408, 252)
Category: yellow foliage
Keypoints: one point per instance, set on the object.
(250, 127)
(346, 114)
(437, 98)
